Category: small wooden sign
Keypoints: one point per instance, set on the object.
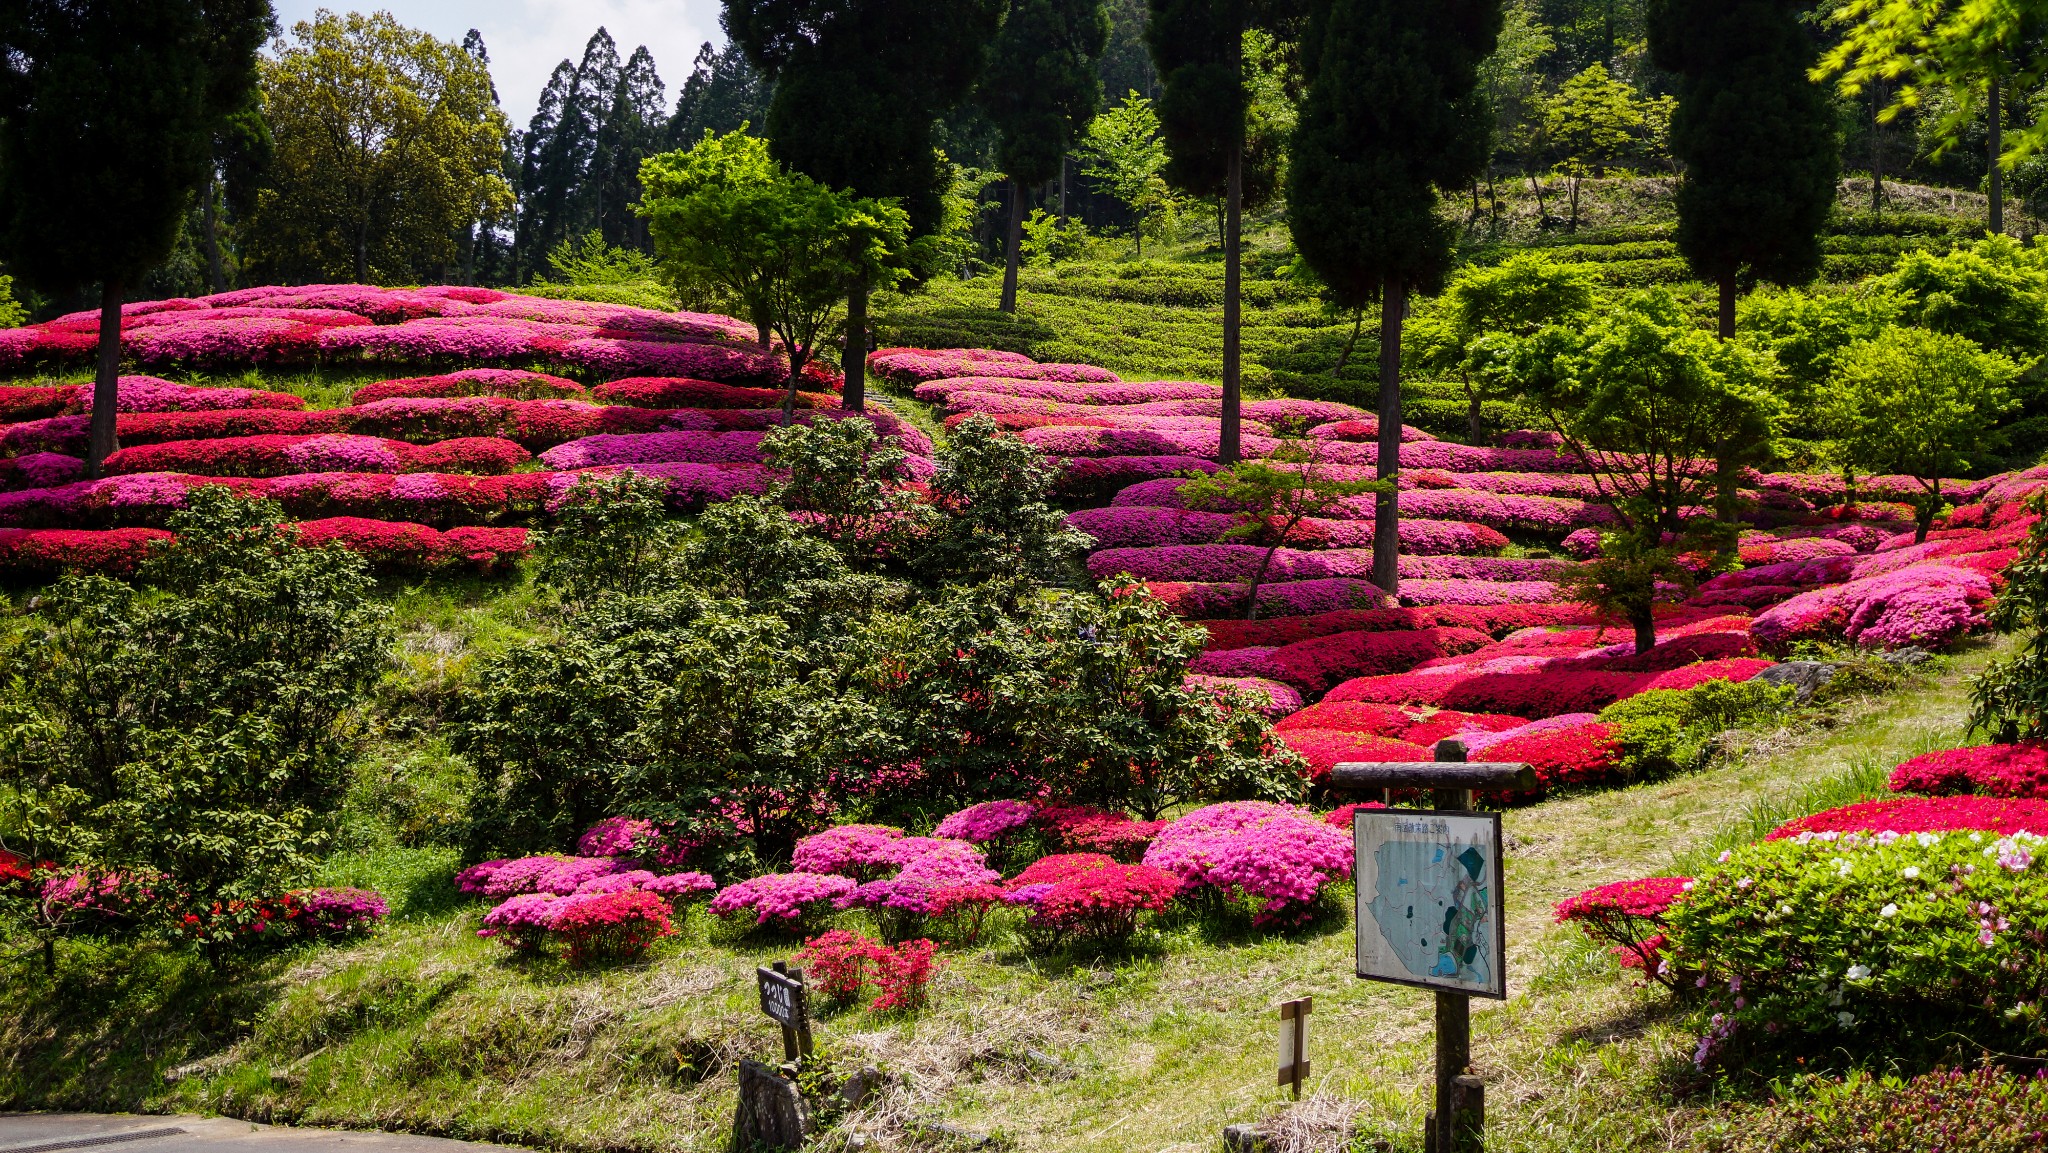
(782, 999)
(1294, 1042)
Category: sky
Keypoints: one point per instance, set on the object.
(527, 38)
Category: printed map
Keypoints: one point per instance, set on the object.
(1426, 894)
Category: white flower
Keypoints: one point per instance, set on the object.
(1787, 909)
(1723, 858)
(1976, 838)
(1844, 867)
(1888, 910)
(1845, 1018)
(1928, 840)
(1858, 972)
(1912, 872)
(1685, 888)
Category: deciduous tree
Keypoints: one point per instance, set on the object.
(1271, 498)
(389, 146)
(109, 110)
(1124, 151)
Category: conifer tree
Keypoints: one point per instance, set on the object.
(561, 147)
(858, 85)
(109, 111)
(1756, 136)
(1391, 116)
(1040, 91)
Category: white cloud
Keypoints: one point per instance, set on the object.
(527, 38)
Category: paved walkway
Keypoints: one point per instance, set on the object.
(134, 1133)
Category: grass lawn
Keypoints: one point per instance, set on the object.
(428, 1028)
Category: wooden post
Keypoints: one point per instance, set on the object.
(1457, 1123)
(796, 1034)
(1294, 1042)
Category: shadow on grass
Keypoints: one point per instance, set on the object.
(102, 1033)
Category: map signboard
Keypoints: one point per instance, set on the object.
(1429, 907)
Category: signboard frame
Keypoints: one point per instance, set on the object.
(1496, 879)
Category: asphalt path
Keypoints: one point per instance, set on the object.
(135, 1133)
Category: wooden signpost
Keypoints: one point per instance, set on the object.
(1472, 908)
(782, 999)
(1294, 1042)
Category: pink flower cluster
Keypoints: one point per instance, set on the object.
(284, 455)
(986, 821)
(1278, 855)
(1362, 430)
(787, 899)
(1137, 526)
(1927, 604)
(1229, 562)
(2000, 815)
(1279, 699)
(506, 382)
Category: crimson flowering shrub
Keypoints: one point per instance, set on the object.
(611, 926)
(1491, 619)
(1341, 817)
(1584, 754)
(1240, 562)
(1535, 694)
(50, 551)
(2019, 769)
(1275, 855)
(329, 913)
(905, 977)
(1087, 830)
(1085, 440)
(1832, 937)
(34, 401)
(405, 547)
(437, 499)
(474, 382)
(1323, 749)
(1922, 815)
(261, 456)
(839, 963)
(1098, 905)
(1628, 917)
(1362, 429)
(789, 901)
(1317, 665)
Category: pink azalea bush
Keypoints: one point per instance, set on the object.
(785, 900)
(986, 821)
(1276, 855)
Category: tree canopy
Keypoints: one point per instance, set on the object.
(389, 145)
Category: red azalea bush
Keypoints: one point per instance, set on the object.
(1629, 916)
(905, 977)
(396, 545)
(1494, 620)
(268, 456)
(1582, 754)
(1324, 749)
(50, 551)
(2012, 770)
(839, 963)
(612, 926)
(2000, 815)
(514, 383)
(1100, 905)
(1317, 665)
(683, 392)
(1342, 816)
(1086, 830)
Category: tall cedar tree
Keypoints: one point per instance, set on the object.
(1391, 116)
(858, 85)
(560, 164)
(1757, 138)
(1040, 91)
(108, 114)
(1198, 48)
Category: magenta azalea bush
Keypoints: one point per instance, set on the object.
(1276, 855)
(785, 900)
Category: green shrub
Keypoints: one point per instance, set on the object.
(1986, 1110)
(1866, 941)
(648, 294)
(1678, 730)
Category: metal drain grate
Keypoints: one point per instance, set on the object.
(89, 1142)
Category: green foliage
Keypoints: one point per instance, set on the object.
(656, 296)
(107, 124)
(12, 314)
(1995, 292)
(858, 84)
(1830, 944)
(1804, 331)
(1986, 1110)
(1756, 136)
(1048, 239)
(1626, 577)
(991, 696)
(1923, 404)
(190, 732)
(840, 476)
(1040, 89)
(1595, 122)
(2009, 699)
(1270, 502)
(1679, 730)
(612, 535)
(787, 249)
(377, 186)
(1222, 85)
(1390, 116)
(1640, 382)
(990, 517)
(1124, 151)
(590, 261)
(1484, 310)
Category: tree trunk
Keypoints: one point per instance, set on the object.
(1536, 187)
(1251, 613)
(1728, 306)
(796, 375)
(1876, 156)
(1572, 182)
(1013, 246)
(1645, 624)
(49, 956)
(1923, 516)
(215, 280)
(108, 380)
(363, 256)
(1472, 412)
(1228, 451)
(1350, 342)
(855, 363)
(1386, 516)
(1997, 175)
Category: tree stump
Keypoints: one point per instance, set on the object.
(771, 1113)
